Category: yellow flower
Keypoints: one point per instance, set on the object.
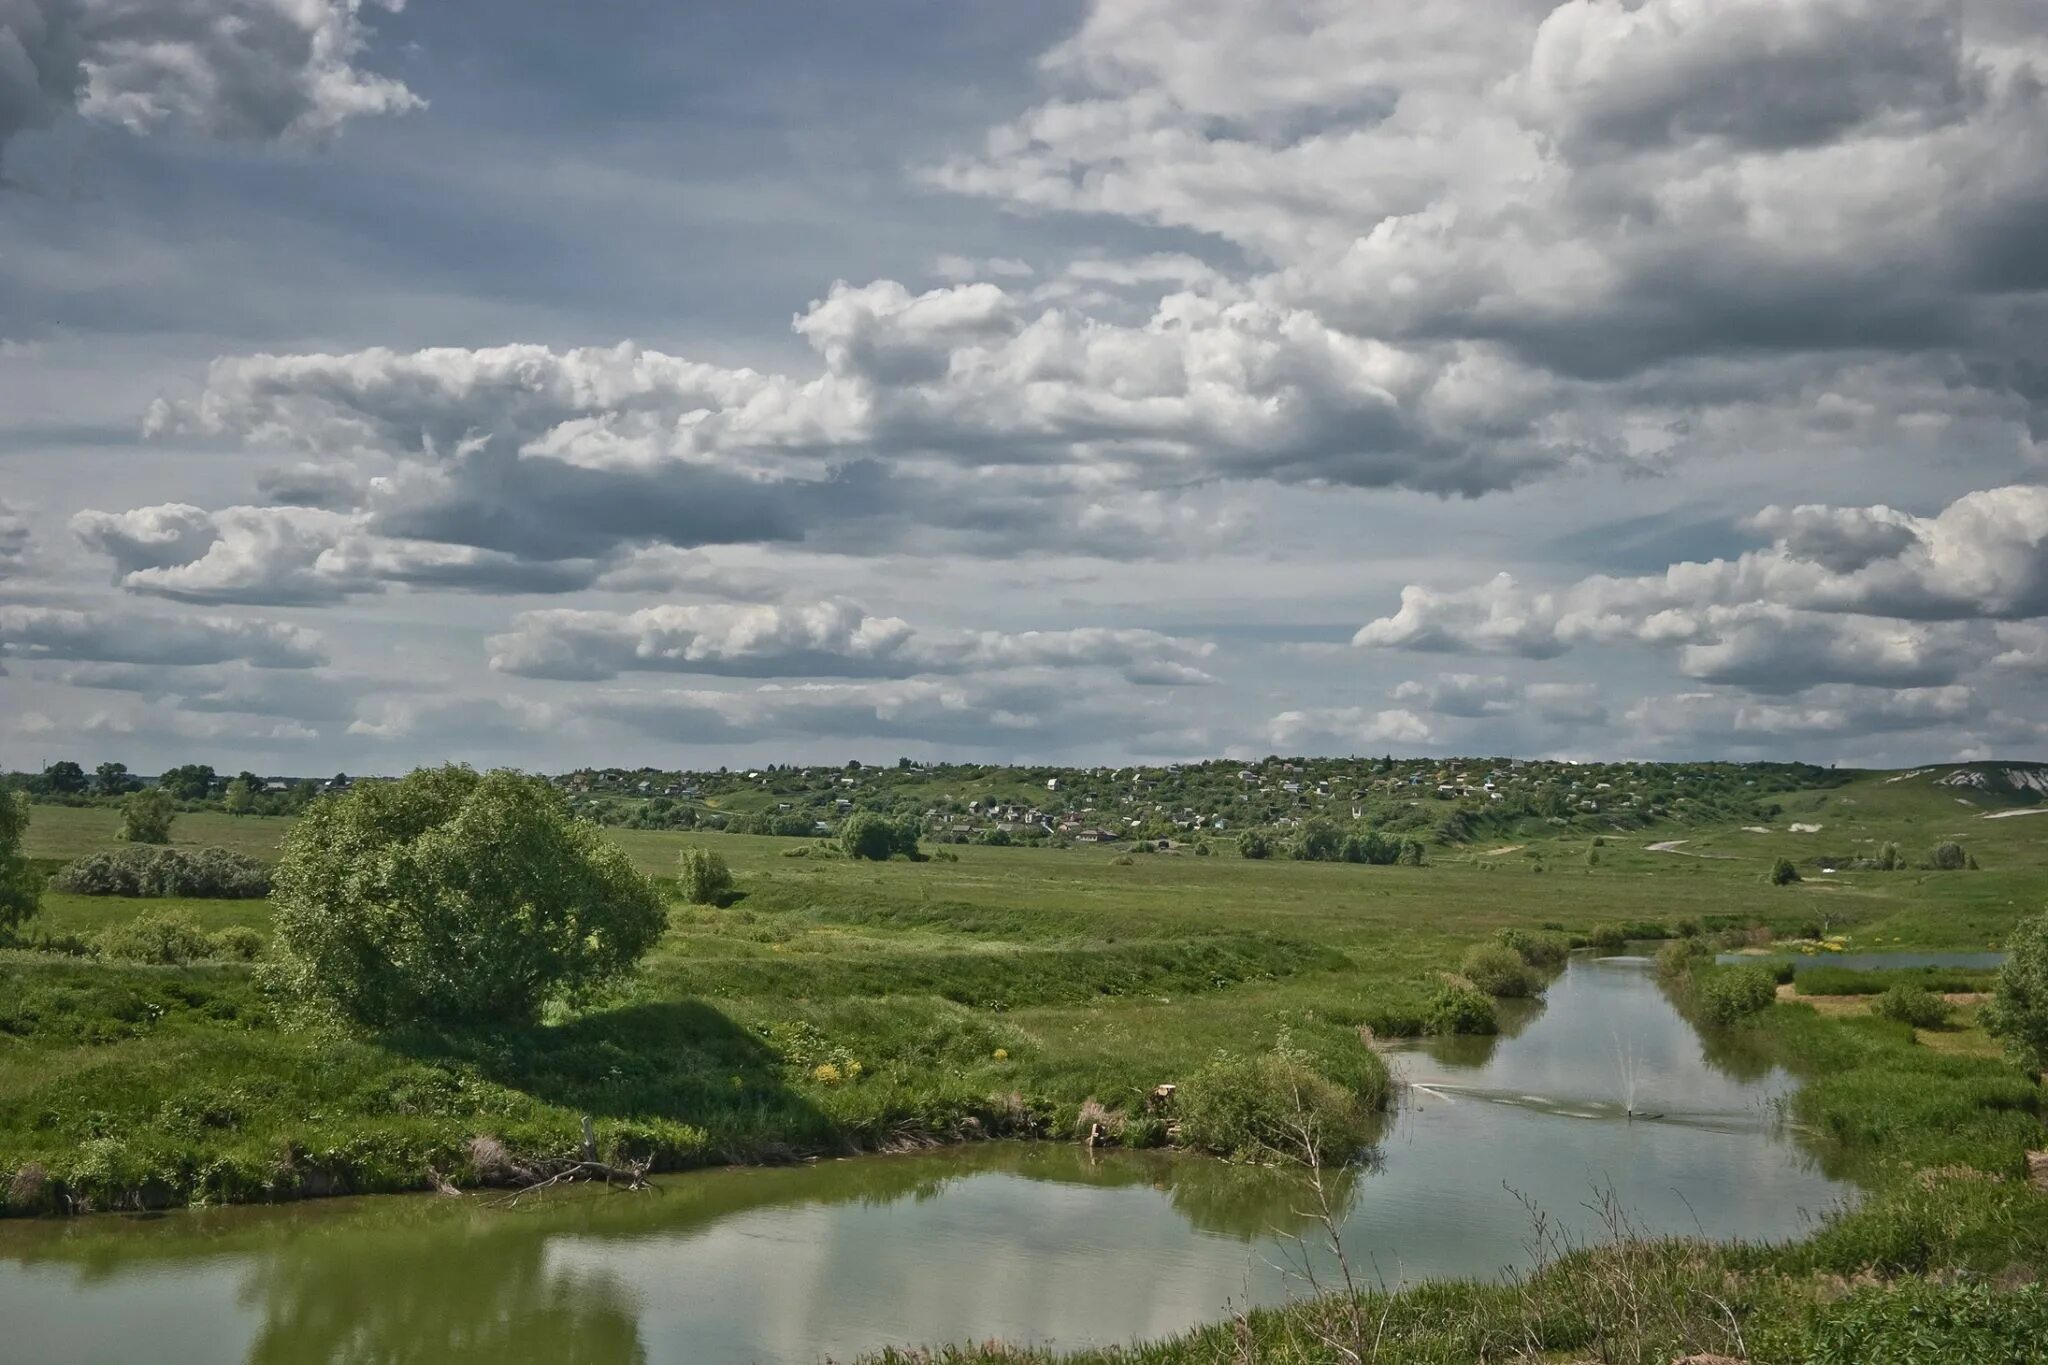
(852, 1069)
(826, 1074)
(1002, 1054)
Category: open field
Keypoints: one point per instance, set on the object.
(837, 1004)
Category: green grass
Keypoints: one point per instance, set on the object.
(992, 992)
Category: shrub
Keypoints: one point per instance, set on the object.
(1729, 995)
(703, 877)
(1783, 873)
(210, 873)
(1913, 1005)
(1608, 938)
(237, 943)
(1254, 843)
(20, 888)
(1680, 956)
(1453, 1008)
(2018, 1009)
(1948, 856)
(164, 937)
(1277, 1104)
(1538, 950)
(146, 817)
(868, 835)
(1889, 859)
(1497, 970)
(398, 903)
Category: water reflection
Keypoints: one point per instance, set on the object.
(1037, 1243)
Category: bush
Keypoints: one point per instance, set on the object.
(20, 889)
(1729, 995)
(1278, 1104)
(397, 902)
(876, 837)
(1454, 1008)
(166, 938)
(1254, 843)
(1497, 970)
(1913, 1005)
(1680, 956)
(1783, 873)
(703, 877)
(209, 873)
(1608, 938)
(2018, 1009)
(1948, 856)
(238, 943)
(1538, 950)
(146, 817)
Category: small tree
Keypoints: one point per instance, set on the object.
(240, 798)
(868, 835)
(703, 877)
(111, 779)
(2018, 1009)
(1254, 843)
(1783, 872)
(21, 891)
(453, 897)
(146, 817)
(1948, 856)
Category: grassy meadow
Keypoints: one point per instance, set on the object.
(836, 1005)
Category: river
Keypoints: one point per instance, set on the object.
(1599, 1097)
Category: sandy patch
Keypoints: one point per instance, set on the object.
(2009, 814)
(1756, 829)
(1798, 828)
(1504, 848)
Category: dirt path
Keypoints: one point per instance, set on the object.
(1672, 846)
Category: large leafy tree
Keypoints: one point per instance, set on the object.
(20, 888)
(454, 897)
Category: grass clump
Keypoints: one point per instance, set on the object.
(1913, 1006)
(1277, 1105)
(1457, 1008)
(1724, 996)
(1498, 971)
(1536, 949)
(1677, 958)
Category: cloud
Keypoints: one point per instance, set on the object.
(1346, 728)
(156, 639)
(298, 556)
(260, 70)
(1497, 617)
(1708, 721)
(14, 538)
(831, 638)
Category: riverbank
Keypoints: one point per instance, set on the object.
(1941, 1263)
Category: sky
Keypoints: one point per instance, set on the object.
(389, 383)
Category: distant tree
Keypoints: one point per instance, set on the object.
(2018, 1009)
(112, 779)
(188, 781)
(866, 834)
(398, 902)
(240, 798)
(1254, 843)
(1948, 856)
(21, 889)
(1318, 842)
(146, 817)
(1783, 872)
(1889, 859)
(63, 778)
(702, 876)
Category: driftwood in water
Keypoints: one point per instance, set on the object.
(499, 1167)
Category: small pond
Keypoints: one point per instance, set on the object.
(1602, 1092)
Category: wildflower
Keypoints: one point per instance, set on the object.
(1002, 1054)
(827, 1074)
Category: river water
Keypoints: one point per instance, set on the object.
(1599, 1099)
